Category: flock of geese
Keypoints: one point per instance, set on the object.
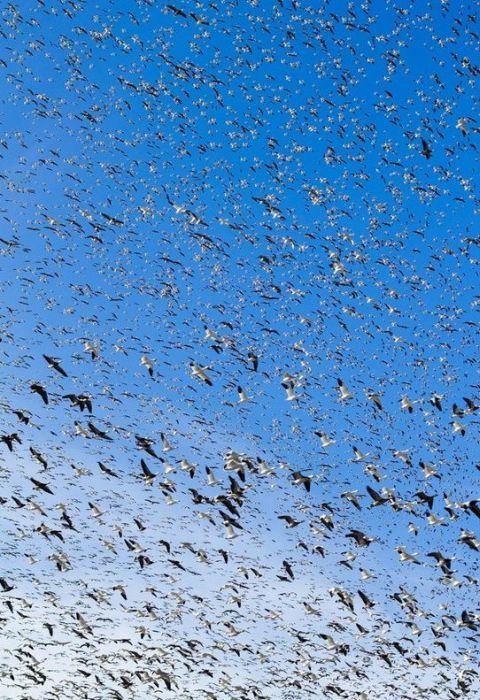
(239, 350)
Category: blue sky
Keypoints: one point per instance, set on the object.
(255, 169)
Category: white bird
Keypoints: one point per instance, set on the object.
(80, 430)
(352, 497)
(298, 345)
(199, 372)
(403, 456)
(344, 392)
(168, 468)
(295, 379)
(91, 348)
(166, 446)
(210, 335)
(331, 645)
(264, 469)
(187, 466)
(290, 389)
(148, 363)
(359, 455)
(366, 575)
(230, 533)
(405, 556)
(80, 471)
(242, 397)
(338, 268)
(428, 470)
(108, 545)
(373, 471)
(325, 440)
(462, 124)
(211, 478)
(407, 404)
(119, 348)
(234, 462)
(95, 512)
(310, 610)
(34, 507)
(61, 561)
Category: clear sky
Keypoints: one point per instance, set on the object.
(216, 185)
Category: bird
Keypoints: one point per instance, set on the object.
(462, 124)
(361, 539)
(211, 478)
(428, 470)
(352, 497)
(290, 521)
(166, 446)
(242, 397)
(299, 479)
(41, 391)
(425, 498)
(325, 441)
(376, 398)
(359, 455)
(22, 417)
(200, 373)
(445, 563)
(185, 465)
(405, 556)
(41, 486)
(106, 470)
(8, 440)
(426, 150)
(252, 358)
(406, 404)
(288, 568)
(146, 362)
(98, 432)
(146, 444)
(80, 401)
(290, 389)
(91, 348)
(38, 457)
(55, 364)
(6, 587)
(344, 392)
(377, 499)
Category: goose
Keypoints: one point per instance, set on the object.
(242, 397)
(211, 478)
(345, 394)
(166, 446)
(325, 441)
(148, 363)
(53, 363)
(290, 389)
(458, 427)
(200, 373)
(406, 404)
(405, 556)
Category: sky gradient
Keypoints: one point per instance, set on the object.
(216, 185)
